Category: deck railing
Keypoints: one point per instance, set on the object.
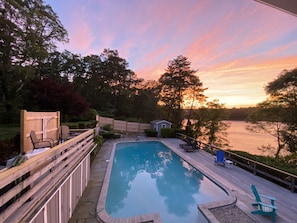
(47, 186)
(275, 175)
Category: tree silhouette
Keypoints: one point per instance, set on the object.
(50, 95)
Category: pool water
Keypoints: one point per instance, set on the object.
(148, 177)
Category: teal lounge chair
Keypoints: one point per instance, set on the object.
(220, 158)
(264, 208)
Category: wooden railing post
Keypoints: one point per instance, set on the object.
(292, 184)
(255, 169)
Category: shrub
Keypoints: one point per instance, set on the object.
(107, 127)
(110, 135)
(98, 140)
(168, 133)
(151, 132)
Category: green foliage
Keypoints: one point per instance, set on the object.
(110, 135)
(9, 144)
(71, 125)
(9, 132)
(168, 133)
(87, 116)
(107, 83)
(108, 132)
(29, 31)
(210, 125)
(175, 82)
(240, 114)
(81, 124)
(277, 115)
(151, 132)
(98, 139)
(286, 163)
(107, 127)
(49, 95)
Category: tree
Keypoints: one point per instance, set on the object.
(177, 79)
(28, 31)
(146, 98)
(193, 95)
(210, 126)
(122, 81)
(50, 95)
(107, 83)
(277, 114)
(61, 66)
(268, 118)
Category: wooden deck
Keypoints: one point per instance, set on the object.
(235, 179)
(239, 181)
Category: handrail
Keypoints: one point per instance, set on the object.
(273, 174)
(35, 179)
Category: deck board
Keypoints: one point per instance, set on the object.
(235, 179)
(239, 181)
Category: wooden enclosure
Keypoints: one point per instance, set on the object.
(47, 186)
(45, 124)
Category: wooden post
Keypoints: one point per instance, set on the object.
(293, 184)
(23, 130)
(255, 169)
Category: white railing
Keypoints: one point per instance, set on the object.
(47, 186)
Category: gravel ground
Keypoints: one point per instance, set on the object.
(231, 214)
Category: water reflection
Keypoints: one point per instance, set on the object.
(151, 178)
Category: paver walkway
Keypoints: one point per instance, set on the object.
(235, 179)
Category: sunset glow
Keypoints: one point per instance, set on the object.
(236, 46)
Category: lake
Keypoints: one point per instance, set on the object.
(242, 139)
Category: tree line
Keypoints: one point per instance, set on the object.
(36, 77)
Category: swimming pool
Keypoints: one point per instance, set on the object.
(148, 177)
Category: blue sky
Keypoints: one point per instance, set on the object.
(238, 46)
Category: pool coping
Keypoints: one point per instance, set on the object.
(103, 216)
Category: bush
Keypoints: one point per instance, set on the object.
(98, 140)
(107, 127)
(72, 125)
(168, 133)
(9, 148)
(151, 132)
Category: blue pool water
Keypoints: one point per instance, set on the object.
(148, 177)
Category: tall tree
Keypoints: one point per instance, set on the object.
(177, 79)
(61, 66)
(146, 97)
(122, 81)
(277, 114)
(210, 126)
(50, 95)
(29, 30)
(107, 83)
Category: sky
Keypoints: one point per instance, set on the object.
(237, 46)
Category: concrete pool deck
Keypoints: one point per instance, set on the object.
(235, 179)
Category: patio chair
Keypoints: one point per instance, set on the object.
(220, 158)
(188, 143)
(264, 208)
(40, 143)
(64, 133)
(194, 146)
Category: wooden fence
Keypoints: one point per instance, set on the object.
(122, 126)
(47, 186)
(275, 175)
(45, 124)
